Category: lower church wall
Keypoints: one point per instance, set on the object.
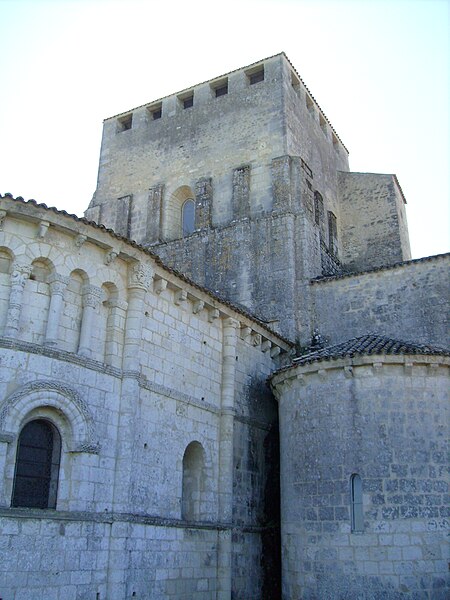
(66, 556)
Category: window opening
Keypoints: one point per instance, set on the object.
(318, 208)
(188, 102)
(222, 90)
(157, 113)
(125, 123)
(37, 465)
(356, 503)
(188, 217)
(256, 77)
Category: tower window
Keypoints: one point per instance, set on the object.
(188, 217)
(37, 465)
(125, 123)
(188, 102)
(222, 90)
(356, 501)
(256, 76)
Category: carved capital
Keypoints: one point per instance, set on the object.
(140, 276)
(19, 274)
(58, 284)
(91, 296)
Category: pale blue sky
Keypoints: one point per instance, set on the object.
(379, 70)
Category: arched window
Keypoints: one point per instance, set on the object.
(356, 500)
(37, 465)
(193, 482)
(188, 217)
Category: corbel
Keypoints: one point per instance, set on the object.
(348, 372)
(159, 285)
(43, 228)
(265, 345)
(110, 256)
(275, 351)
(256, 339)
(198, 306)
(80, 239)
(3, 214)
(180, 296)
(246, 332)
(213, 314)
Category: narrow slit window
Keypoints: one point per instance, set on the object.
(356, 500)
(188, 217)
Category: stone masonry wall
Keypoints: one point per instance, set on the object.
(373, 221)
(132, 365)
(409, 302)
(385, 419)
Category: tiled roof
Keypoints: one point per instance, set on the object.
(405, 263)
(155, 257)
(367, 345)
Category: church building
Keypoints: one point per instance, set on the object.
(229, 380)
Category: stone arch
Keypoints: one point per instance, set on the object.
(193, 482)
(73, 310)
(174, 211)
(66, 410)
(36, 301)
(109, 334)
(68, 404)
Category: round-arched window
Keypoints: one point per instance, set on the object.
(37, 465)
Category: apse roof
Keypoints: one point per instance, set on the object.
(367, 345)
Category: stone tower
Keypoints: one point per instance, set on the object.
(242, 183)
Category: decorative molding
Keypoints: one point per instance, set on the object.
(70, 403)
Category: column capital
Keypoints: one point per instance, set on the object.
(20, 273)
(58, 283)
(140, 276)
(91, 295)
